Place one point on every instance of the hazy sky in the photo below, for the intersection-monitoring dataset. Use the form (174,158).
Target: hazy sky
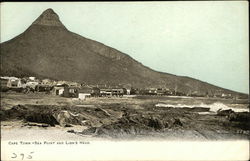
(204,40)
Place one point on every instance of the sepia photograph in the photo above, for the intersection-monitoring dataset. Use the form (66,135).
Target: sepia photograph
(155,79)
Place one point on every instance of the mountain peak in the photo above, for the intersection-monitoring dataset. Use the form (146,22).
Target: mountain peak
(48,18)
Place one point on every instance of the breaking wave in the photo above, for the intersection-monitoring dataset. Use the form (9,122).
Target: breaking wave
(213,107)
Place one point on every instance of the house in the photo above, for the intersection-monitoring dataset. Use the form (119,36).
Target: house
(69,83)
(168,92)
(105,92)
(117,92)
(31,84)
(135,91)
(70,91)
(149,91)
(84,92)
(32,78)
(5,83)
(76,92)
(11,82)
(226,95)
(16,83)
(111,92)
(128,88)
(58,90)
(47,82)
(128,91)
(161,91)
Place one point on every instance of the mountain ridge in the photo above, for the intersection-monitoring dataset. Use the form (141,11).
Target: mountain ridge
(48,18)
(48,50)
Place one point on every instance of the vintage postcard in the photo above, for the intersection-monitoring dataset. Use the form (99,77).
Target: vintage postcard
(125,80)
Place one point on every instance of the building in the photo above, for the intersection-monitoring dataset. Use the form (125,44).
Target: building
(84,92)
(76,92)
(47,82)
(16,83)
(226,95)
(161,91)
(108,92)
(11,82)
(31,84)
(149,91)
(70,91)
(5,83)
(128,91)
(58,90)
(32,78)
(105,92)
(69,83)
(117,92)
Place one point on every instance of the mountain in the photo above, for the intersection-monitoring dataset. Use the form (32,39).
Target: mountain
(48,50)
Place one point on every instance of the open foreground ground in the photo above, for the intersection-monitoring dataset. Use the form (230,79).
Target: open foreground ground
(41,116)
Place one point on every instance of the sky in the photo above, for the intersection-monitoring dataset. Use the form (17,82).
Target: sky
(206,40)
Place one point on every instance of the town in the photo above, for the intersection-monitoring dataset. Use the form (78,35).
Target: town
(82,91)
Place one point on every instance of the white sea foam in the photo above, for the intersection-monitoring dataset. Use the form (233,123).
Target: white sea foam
(213,107)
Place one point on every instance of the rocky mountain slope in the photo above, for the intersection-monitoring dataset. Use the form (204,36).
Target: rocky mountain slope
(48,50)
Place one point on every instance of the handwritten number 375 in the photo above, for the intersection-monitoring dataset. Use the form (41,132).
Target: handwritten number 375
(22,155)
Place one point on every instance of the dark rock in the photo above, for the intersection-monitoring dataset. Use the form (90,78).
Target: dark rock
(177,122)
(196,109)
(224,112)
(41,118)
(155,123)
(240,117)
(71,131)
